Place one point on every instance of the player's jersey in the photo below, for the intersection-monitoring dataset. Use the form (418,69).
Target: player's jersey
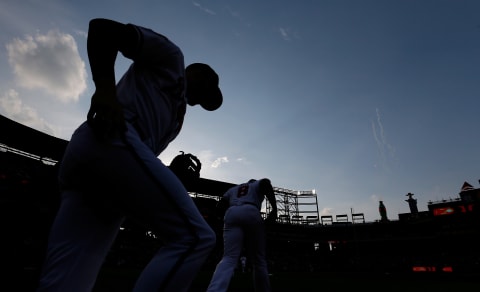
(151,92)
(246,193)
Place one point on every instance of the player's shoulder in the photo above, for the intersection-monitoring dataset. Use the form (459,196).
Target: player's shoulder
(265,184)
(264,181)
(155,49)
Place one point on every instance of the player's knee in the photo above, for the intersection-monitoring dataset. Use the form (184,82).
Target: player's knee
(209,239)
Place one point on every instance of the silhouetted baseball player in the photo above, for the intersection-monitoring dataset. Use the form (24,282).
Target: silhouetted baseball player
(243,223)
(111,169)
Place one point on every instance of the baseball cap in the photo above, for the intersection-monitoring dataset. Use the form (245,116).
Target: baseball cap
(204,86)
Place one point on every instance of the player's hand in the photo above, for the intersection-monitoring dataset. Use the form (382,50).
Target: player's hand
(105,115)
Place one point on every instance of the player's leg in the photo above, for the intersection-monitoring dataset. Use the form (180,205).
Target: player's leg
(232,244)
(124,182)
(175,219)
(256,248)
(82,232)
(78,243)
(161,200)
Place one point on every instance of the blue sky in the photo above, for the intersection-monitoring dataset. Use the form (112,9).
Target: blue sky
(360,100)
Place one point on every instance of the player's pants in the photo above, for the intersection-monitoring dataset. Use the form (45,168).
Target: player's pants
(103,184)
(242,224)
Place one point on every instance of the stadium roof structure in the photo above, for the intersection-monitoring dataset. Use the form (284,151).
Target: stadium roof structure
(21,137)
(210,187)
(24,139)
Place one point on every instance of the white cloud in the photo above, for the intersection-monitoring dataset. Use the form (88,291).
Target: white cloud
(242,160)
(81,33)
(385,149)
(49,62)
(204,8)
(288,34)
(326,211)
(14,109)
(208,158)
(219,161)
(284,33)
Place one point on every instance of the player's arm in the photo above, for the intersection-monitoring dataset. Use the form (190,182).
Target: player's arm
(267,189)
(105,39)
